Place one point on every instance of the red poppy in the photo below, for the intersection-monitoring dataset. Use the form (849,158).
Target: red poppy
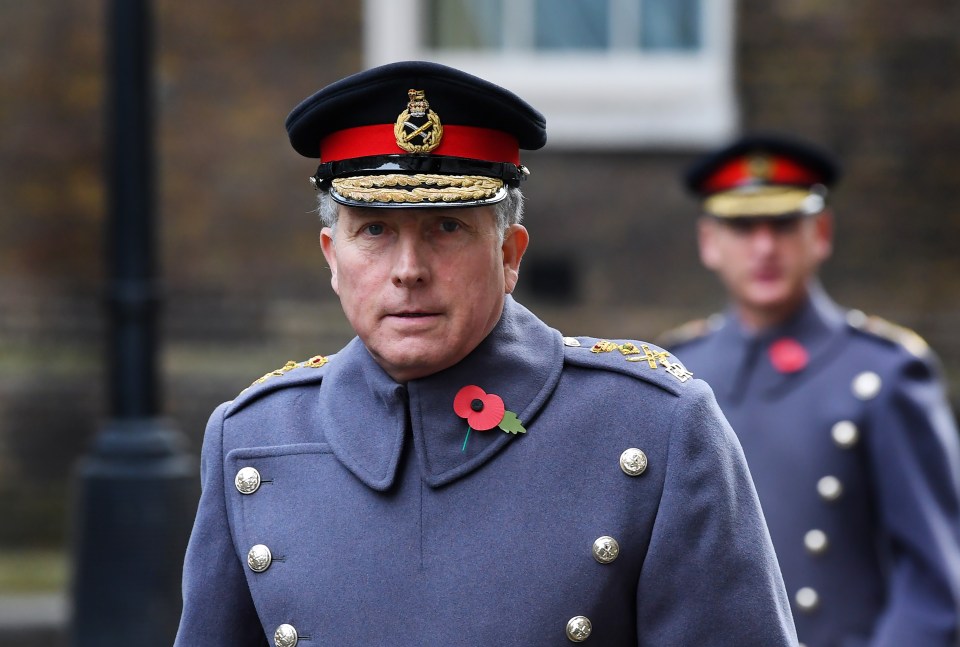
(482,410)
(788,355)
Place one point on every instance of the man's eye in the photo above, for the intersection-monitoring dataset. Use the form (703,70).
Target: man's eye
(741,227)
(374,229)
(449,226)
(786,225)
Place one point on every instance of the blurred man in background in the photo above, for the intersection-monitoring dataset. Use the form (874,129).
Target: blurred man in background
(842,416)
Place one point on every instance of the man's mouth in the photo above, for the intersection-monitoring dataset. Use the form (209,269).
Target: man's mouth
(413,315)
(766,274)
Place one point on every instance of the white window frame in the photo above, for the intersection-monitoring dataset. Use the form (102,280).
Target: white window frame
(614,100)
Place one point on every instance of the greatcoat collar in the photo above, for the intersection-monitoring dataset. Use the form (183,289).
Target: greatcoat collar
(366,413)
(815,326)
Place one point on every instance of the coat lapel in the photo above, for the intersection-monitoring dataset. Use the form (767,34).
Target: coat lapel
(365,412)
(732,355)
(520,361)
(817,328)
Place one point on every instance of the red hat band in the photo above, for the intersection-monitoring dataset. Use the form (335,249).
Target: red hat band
(458,141)
(759,169)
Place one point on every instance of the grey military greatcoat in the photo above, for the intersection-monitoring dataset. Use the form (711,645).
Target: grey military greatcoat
(342,508)
(854,452)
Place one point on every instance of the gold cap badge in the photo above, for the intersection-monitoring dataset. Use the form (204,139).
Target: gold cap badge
(418,128)
(761,167)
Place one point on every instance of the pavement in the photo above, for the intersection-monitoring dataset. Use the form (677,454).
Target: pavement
(35,620)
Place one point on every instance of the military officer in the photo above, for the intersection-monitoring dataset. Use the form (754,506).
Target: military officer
(460,473)
(842,416)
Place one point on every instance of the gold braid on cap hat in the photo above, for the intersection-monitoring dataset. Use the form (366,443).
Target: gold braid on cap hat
(417,188)
(764,201)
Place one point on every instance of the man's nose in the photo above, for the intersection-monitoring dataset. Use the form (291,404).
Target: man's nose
(763,237)
(410,266)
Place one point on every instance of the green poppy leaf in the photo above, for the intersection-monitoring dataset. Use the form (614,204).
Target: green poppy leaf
(511,424)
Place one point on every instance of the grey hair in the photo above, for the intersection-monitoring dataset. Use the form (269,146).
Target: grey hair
(509,211)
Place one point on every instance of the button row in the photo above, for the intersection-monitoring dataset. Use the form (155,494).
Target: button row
(579,629)
(605,549)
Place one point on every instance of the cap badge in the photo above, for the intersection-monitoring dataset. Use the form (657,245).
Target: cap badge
(760,167)
(418,128)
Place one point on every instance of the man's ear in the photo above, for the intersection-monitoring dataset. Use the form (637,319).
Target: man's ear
(823,230)
(515,241)
(707,242)
(329,247)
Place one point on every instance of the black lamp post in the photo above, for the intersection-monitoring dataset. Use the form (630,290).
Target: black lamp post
(136,490)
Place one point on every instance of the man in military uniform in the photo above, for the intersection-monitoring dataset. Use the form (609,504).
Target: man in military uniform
(842,417)
(460,473)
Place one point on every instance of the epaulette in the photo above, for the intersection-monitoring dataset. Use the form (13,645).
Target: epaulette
(889,331)
(683,333)
(690,331)
(646,361)
(286,375)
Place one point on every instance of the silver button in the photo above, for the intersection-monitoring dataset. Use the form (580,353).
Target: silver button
(605,549)
(845,434)
(807,599)
(856,318)
(816,541)
(259,558)
(579,628)
(247,481)
(573,342)
(830,488)
(867,385)
(633,462)
(285,636)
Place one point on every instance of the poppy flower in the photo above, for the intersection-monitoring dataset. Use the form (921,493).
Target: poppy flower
(788,355)
(481,410)
(484,411)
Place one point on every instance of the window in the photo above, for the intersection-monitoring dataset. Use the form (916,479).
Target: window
(608,74)
(558,25)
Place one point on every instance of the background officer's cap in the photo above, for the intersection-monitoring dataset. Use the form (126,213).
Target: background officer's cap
(415,134)
(763,176)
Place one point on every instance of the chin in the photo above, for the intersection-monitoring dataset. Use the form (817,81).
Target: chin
(415,367)
(769,300)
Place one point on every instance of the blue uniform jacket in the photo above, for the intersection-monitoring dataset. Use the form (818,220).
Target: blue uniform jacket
(854,453)
(382,530)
